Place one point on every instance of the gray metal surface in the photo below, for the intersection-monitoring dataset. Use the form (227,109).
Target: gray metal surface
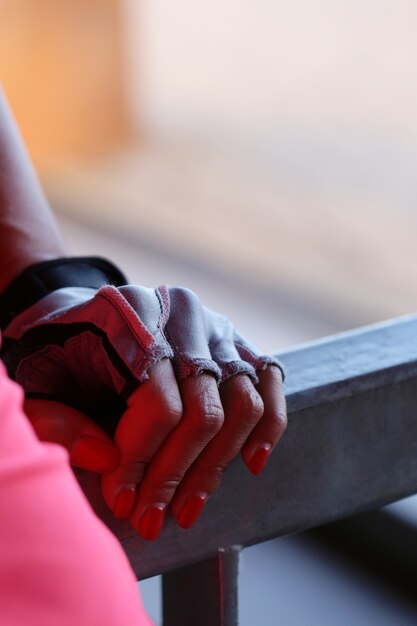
(204,593)
(351,446)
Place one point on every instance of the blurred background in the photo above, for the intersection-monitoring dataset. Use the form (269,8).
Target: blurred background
(262,154)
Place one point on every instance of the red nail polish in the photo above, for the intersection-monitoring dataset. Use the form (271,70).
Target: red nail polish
(124,503)
(95,454)
(152,521)
(191,510)
(258,460)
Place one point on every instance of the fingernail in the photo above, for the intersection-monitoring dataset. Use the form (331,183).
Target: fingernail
(191,510)
(124,502)
(152,521)
(258,460)
(95,454)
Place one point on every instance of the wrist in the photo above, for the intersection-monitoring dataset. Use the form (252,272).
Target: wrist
(21,250)
(17,263)
(39,279)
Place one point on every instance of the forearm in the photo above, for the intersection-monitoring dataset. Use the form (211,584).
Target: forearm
(28,231)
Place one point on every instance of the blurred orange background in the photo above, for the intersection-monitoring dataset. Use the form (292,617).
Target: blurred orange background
(268,148)
(62,65)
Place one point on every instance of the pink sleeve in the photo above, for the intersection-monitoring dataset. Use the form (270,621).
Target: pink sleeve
(59,564)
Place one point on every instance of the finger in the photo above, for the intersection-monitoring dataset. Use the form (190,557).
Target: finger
(271,427)
(187,334)
(243,408)
(153,411)
(202,419)
(252,355)
(88,446)
(221,335)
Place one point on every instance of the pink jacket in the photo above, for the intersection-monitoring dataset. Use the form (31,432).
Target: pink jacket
(59,564)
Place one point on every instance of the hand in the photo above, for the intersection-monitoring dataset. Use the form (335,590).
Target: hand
(88,446)
(164,353)
(177,438)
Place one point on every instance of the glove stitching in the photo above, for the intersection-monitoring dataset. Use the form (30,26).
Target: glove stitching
(164,305)
(116,299)
(186,367)
(39,357)
(232,368)
(260,363)
(89,339)
(35,339)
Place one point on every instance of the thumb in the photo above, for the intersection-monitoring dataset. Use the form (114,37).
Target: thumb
(88,446)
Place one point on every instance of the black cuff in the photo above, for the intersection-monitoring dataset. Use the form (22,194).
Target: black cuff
(40,279)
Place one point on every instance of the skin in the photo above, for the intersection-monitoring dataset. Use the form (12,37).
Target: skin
(176,439)
(28,231)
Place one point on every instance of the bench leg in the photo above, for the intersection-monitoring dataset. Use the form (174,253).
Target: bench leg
(203,594)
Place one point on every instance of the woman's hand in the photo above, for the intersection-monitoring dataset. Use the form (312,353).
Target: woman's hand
(176,440)
(88,446)
(195,392)
(243,419)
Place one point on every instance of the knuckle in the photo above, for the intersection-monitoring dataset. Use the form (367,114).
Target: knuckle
(251,405)
(213,475)
(183,297)
(132,468)
(169,414)
(281,421)
(165,484)
(207,421)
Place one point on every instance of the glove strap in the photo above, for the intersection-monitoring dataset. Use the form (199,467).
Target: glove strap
(38,280)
